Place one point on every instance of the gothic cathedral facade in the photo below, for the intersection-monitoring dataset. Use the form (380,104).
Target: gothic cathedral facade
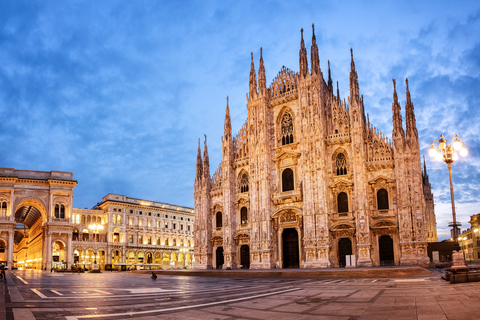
(308,182)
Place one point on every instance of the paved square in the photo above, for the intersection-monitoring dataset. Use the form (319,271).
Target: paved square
(71,296)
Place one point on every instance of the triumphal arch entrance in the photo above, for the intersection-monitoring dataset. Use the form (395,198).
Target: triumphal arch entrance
(35,218)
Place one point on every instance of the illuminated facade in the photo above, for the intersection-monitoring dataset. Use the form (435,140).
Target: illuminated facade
(39,228)
(469,240)
(309,182)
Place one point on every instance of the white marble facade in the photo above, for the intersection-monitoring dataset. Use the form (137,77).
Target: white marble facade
(309,182)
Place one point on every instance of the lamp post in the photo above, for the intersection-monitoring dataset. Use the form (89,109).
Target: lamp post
(448,153)
(96,227)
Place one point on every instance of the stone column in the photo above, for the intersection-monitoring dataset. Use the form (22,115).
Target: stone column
(69,252)
(48,250)
(10,249)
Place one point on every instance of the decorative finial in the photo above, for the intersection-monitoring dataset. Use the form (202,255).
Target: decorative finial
(406,81)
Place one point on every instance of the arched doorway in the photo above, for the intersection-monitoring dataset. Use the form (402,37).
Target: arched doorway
(245,256)
(385,246)
(219,257)
(149,258)
(344,249)
(58,255)
(291,256)
(166,260)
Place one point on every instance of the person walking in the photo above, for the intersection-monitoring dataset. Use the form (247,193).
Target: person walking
(4,276)
(154,276)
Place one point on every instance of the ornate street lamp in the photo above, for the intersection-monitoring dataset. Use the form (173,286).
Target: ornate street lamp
(448,153)
(96,227)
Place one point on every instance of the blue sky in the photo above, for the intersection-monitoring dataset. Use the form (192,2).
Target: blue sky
(118,92)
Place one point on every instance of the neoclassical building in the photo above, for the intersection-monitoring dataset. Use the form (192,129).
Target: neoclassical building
(309,182)
(39,228)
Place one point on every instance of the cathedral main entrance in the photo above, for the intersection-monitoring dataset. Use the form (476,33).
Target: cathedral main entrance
(219,258)
(385,245)
(245,256)
(290,248)
(344,249)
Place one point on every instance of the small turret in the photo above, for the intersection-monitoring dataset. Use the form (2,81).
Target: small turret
(314,54)
(412,133)
(253,80)
(262,81)
(330,82)
(397,117)
(199,162)
(228,123)
(303,58)
(206,162)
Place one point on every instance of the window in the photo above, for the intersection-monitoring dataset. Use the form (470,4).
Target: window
(287,180)
(174,242)
(342,201)
(57,211)
(119,219)
(149,213)
(382,199)
(166,241)
(166,225)
(149,223)
(130,239)
(4,208)
(62,211)
(158,241)
(188,228)
(75,234)
(219,219)
(131,211)
(140,239)
(140,212)
(140,223)
(244,183)
(181,227)
(83,219)
(149,240)
(243,215)
(341,164)
(77,219)
(287,129)
(85,235)
(130,221)
(174,226)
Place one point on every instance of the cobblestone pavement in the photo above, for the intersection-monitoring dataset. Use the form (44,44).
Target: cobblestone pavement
(111,295)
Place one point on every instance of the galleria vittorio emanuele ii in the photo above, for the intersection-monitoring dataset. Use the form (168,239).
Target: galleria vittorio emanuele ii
(40,229)
(309,182)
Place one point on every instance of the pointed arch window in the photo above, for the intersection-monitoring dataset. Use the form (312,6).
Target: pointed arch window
(243,215)
(219,219)
(341,164)
(382,199)
(342,202)
(287,129)
(287,180)
(57,211)
(244,183)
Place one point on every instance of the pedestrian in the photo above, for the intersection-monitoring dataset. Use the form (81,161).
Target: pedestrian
(154,276)
(3,274)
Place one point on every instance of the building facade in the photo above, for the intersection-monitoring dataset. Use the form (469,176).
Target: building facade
(309,182)
(469,240)
(39,228)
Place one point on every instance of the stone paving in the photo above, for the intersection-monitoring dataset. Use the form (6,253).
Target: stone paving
(112,295)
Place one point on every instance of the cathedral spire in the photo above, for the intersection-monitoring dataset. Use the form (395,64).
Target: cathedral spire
(303,58)
(253,79)
(397,117)
(206,162)
(228,123)
(338,92)
(262,82)
(199,162)
(314,54)
(410,116)
(354,89)
(330,82)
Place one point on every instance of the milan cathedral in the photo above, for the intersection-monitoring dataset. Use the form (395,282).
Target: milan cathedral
(308,182)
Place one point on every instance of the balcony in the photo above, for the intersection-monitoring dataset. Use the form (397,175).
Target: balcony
(379,214)
(287,196)
(339,216)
